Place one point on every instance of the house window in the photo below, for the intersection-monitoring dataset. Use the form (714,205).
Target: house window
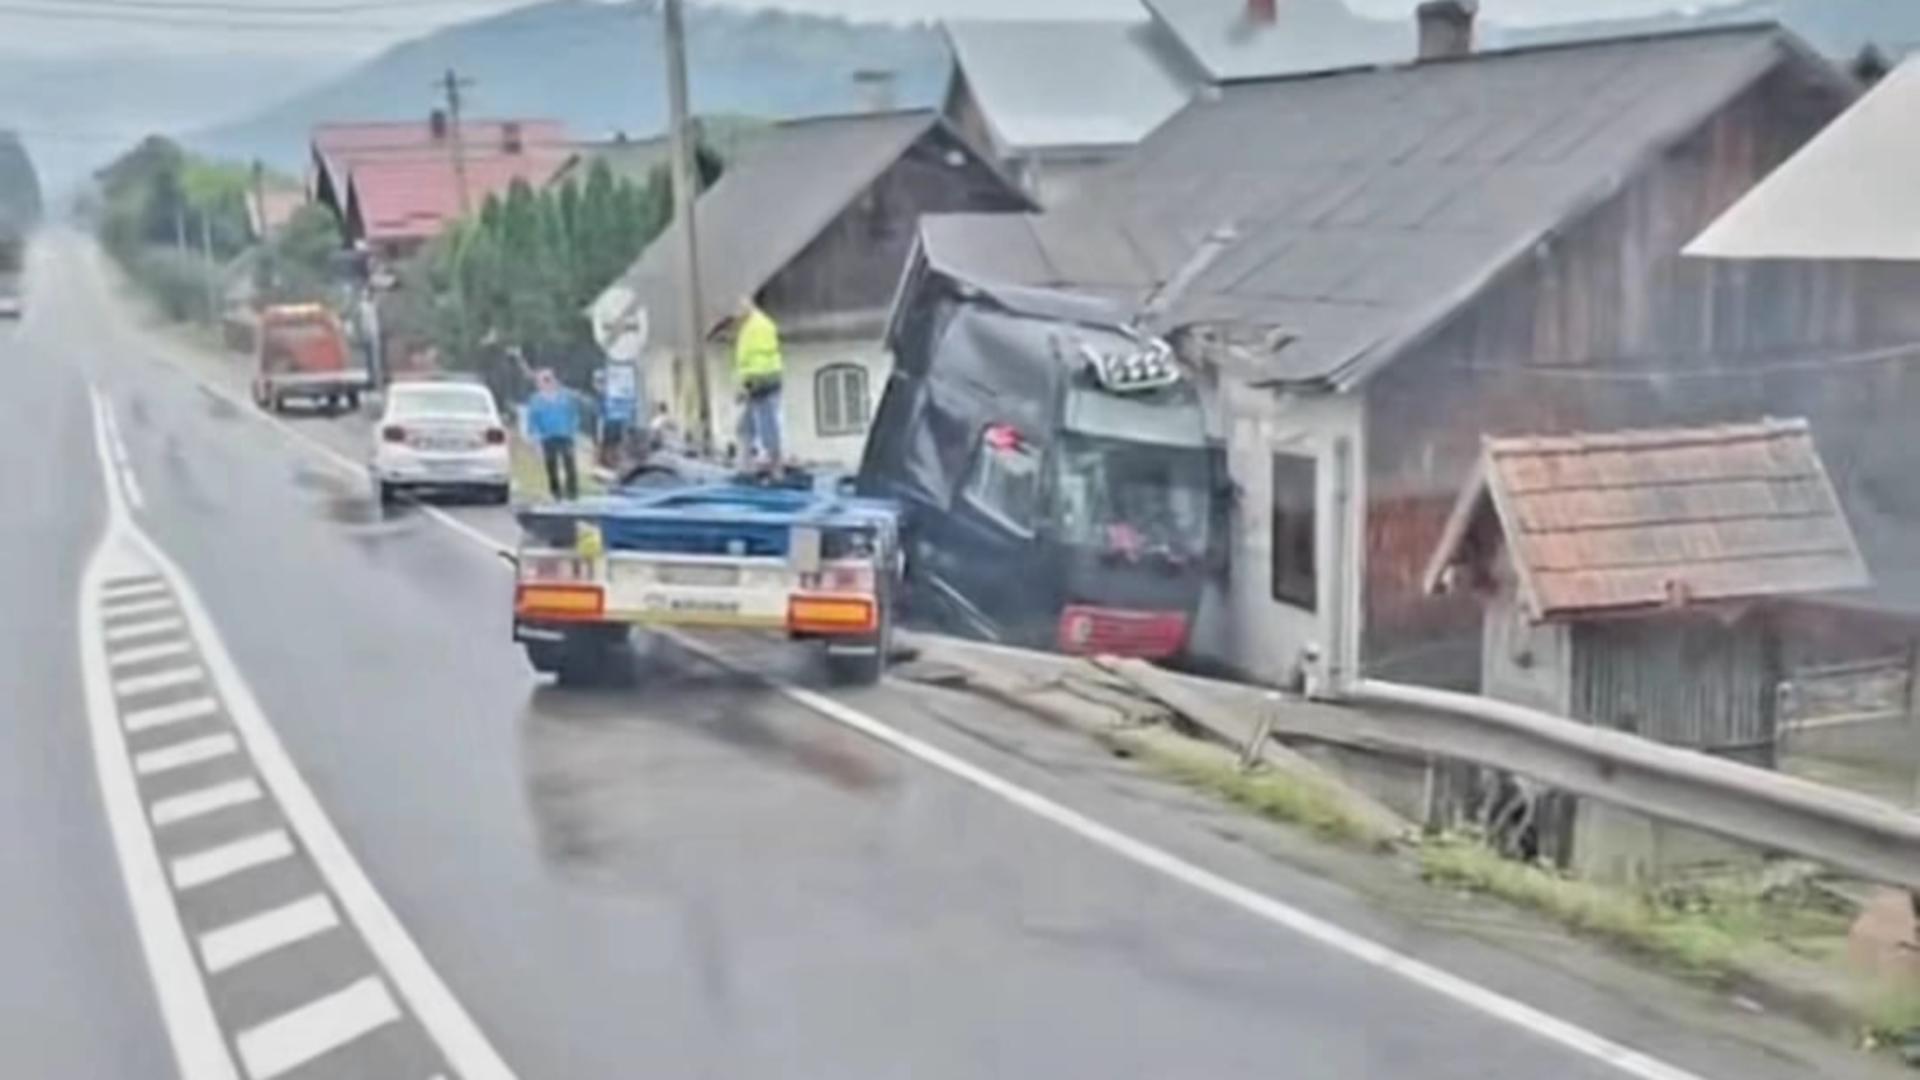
(840,405)
(1296,530)
(1004,482)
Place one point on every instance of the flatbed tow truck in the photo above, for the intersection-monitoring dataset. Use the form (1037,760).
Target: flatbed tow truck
(798,557)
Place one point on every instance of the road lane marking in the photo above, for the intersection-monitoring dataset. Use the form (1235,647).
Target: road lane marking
(117,635)
(122,464)
(1564,1033)
(290,1041)
(182,754)
(226,860)
(235,944)
(205,801)
(142,607)
(190,675)
(126,555)
(177,713)
(146,653)
(133,590)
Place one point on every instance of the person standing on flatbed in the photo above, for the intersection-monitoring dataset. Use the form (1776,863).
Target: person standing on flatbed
(757,367)
(553,421)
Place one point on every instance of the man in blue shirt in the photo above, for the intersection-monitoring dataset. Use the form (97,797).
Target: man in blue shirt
(553,421)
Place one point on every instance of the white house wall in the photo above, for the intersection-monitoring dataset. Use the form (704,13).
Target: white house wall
(805,441)
(1242,626)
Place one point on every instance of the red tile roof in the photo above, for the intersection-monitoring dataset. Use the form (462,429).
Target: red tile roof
(413,198)
(345,141)
(1641,520)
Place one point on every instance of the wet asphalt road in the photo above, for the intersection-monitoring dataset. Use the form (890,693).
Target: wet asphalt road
(687,875)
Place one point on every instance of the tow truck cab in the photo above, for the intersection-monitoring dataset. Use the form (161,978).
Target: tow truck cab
(1055,469)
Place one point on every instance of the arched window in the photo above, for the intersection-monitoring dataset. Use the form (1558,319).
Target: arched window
(840,405)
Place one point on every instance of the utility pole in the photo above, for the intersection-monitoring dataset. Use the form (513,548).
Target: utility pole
(268,278)
(213,273)
(686,189)
(451,84)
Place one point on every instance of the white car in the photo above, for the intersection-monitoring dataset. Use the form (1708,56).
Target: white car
(440,436)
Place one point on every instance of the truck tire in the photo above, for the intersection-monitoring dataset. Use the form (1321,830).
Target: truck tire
(578,662)
(389,495)
(353,401)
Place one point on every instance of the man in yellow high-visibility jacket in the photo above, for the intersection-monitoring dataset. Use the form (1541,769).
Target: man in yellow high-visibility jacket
(757,368)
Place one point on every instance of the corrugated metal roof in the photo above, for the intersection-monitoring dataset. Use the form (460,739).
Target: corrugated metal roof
(1641,520)
(790,182)
(1307,36)
(1848,194)
(1369,205)
(413,198)
(1057,84)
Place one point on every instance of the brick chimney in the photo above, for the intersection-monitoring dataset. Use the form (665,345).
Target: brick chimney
(879,89)
(437,124)
(512,139)
(1446,28)
(1263,12)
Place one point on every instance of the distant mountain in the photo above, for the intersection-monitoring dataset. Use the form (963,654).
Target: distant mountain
(599,67)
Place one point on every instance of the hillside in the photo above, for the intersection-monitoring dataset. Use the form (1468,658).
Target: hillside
(599,68)
(19,186)
(1838,28)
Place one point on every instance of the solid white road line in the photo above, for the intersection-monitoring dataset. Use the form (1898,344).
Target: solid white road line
(146,653)
(137,607)
(137,631)
(200,1051)
(135,497)
(132,590)
(328,1023)
(1568,1035)
(205,801)
(213,864)
(190,1021)
(233,945)
(178,712)
(182,754)
(1472,995)
(160,680)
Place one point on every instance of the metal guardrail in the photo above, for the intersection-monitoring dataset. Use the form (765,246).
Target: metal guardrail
(1861,836)
(1864,837)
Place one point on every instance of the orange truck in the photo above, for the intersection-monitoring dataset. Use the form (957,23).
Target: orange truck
(302,353)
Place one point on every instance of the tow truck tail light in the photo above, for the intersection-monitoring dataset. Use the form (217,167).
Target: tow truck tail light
(561,602)
(831,615)
(394,433)
(496,436)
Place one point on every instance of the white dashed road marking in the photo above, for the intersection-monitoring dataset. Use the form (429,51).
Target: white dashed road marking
(209,800)
(214,864)
(143,630)
(289,1041)
(179,712)
(231,946)
(182,754)
(249,826)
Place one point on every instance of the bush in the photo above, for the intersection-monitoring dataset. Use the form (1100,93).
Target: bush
(177,281)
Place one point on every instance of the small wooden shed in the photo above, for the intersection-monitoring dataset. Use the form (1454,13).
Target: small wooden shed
(1630,579)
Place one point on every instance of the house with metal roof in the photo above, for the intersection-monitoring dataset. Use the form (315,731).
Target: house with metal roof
(1636,580)
(1377,267)
(813,219)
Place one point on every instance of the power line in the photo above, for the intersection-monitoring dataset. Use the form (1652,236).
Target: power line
(232,7)
(225,24)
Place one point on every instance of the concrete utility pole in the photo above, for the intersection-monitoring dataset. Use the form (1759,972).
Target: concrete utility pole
(213,271)
(260,216)
(686,189)
(451,84)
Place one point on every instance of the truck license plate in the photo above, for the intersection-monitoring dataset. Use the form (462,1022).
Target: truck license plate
(723,577)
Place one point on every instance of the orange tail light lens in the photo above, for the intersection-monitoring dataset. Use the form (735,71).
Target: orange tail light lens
(560,601)
(831,614)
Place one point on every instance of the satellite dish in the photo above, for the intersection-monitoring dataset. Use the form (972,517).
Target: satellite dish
(620,324)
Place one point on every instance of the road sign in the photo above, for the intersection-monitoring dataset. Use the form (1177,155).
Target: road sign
(620,396)
(620,324)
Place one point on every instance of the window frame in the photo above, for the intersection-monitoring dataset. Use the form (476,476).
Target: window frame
(972,491)
(1292,525)
(830,381)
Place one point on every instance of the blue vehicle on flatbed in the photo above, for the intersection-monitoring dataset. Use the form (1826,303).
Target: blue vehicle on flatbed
(680,546)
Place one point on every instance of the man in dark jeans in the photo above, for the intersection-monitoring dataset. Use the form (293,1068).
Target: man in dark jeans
(553,421)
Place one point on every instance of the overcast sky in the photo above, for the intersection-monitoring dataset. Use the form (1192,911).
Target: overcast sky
(69,25)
